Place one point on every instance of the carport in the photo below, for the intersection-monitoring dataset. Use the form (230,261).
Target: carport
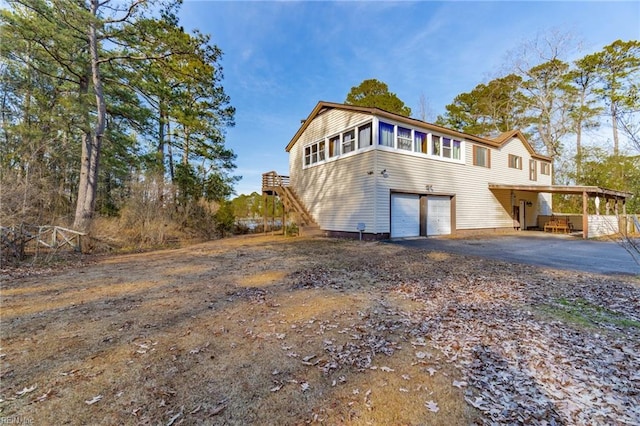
(610,196)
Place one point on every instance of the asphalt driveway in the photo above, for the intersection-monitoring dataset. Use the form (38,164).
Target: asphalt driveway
(556,251)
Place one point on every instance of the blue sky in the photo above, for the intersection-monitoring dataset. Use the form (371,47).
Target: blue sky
(281,58)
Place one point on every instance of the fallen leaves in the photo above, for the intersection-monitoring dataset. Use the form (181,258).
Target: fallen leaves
(521,367)
(93,400)
(27,390)
(173,419)
(432,406)
(460,384)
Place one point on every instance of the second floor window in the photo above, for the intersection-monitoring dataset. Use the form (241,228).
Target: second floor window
(404,138)
(386,134)
(515,162)
(481,156)
(364,135)
(314,153)
(348,141)
(545,168)
(420,141)
(533,170)
(334,146)
(436,142)
(445,147)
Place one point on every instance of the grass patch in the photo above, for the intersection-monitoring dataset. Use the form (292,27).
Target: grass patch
(584,313)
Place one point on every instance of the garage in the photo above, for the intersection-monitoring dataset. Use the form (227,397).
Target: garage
(405,215)
(438,215)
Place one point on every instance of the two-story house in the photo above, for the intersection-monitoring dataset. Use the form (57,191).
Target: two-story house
(360,170)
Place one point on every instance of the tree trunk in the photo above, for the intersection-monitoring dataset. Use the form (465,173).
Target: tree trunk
(91,143)
(185,156)
(614,125)
(170,151)
(160,150)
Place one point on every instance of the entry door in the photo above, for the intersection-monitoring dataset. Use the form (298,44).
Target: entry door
(438,215)
(405,215)
(522,216)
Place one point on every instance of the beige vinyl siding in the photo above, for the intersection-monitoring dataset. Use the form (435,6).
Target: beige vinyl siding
(413,174)
(339,192)
(542,204)
(476,205)
(326,124)
(510,176)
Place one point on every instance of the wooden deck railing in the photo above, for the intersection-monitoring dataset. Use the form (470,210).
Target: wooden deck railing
(274,180)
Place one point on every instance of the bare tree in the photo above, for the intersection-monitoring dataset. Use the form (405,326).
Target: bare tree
(425,111)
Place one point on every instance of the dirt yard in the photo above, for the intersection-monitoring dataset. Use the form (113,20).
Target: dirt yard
(271,330)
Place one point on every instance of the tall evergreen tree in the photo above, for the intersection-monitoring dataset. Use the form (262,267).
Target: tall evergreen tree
(618,67)
(585,110)
(94,62)
(374,93)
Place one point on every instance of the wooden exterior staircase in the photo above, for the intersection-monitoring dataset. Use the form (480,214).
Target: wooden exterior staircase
(274,184)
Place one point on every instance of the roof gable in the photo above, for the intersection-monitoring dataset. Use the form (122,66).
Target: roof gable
(505,137)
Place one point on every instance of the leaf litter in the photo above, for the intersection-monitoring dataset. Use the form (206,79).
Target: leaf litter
(516,363)
(527,368)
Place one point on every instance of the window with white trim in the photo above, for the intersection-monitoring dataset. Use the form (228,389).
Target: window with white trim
(456,149)
(385,134)
(445,147)
(364,136)
(409,139)
(436,145)
(404,138)
(420,141)
(349,141)
(334,146)
(314,153)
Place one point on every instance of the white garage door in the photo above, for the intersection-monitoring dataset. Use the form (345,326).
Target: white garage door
(405,215)
(438,215)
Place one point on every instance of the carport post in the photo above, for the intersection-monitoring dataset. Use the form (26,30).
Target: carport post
(585,216)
